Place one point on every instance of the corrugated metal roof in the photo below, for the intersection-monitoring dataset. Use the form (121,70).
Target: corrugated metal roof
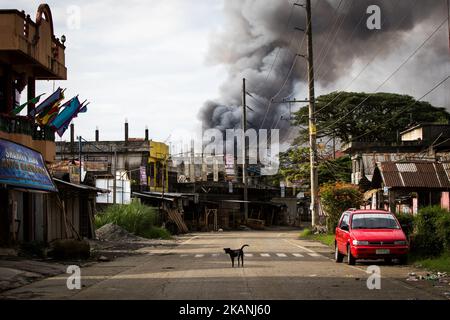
(415,174)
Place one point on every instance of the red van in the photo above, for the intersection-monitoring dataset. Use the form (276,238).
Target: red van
(370,234)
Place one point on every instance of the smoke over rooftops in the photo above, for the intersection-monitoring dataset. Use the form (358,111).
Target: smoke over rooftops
(256,33)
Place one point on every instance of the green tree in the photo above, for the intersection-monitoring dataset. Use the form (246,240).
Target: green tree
(336,198)
(294,165)
(368,117)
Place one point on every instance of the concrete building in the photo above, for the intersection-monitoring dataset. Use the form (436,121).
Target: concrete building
(141,162)
(34,207)
(405,175)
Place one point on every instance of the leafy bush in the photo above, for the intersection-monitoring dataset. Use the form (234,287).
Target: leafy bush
(157,233)
(407,222)
(136,218)
(429,238)
(336,198)
(305,232)
(443,229)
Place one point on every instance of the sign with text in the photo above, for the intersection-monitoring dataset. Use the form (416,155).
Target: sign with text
(143,175)
(23,167)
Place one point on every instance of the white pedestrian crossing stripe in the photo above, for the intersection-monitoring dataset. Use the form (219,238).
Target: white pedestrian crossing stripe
(264,255)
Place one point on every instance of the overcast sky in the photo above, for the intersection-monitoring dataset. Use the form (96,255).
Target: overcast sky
(147,61)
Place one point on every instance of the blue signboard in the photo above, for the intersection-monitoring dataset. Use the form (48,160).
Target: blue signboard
(23,167)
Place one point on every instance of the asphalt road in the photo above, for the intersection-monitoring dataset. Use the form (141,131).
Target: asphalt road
(277,266)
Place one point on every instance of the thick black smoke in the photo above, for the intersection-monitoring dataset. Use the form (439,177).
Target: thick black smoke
(256,32)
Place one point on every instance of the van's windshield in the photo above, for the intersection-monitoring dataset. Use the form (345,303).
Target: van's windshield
(374,221)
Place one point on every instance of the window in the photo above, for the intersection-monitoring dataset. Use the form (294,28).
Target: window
(345,220)
(374,221)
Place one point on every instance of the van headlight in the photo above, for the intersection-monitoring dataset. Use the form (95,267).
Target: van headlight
(360,243)
(400,243)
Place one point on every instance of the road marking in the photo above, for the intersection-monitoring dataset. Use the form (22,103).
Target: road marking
(183,255)
(313,254)
(282,255)
(199,255)
(189,240)
(265,255)
(298,255)
(299,246)
(249,254)
(215,254)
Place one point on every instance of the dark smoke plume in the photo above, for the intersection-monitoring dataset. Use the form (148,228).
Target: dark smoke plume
(255,33)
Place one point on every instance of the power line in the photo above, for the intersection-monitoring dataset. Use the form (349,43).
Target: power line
(278,49)
(290,69)
(334,30)
(405,108)
(381,48)
(390,76)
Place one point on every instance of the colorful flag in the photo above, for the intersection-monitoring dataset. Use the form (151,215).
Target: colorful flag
(48,103)
(35,100)
(45,118)
(63,128)
(70,110)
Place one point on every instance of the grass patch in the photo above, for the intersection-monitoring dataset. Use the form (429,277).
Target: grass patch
(441,263)
(135,217)
(324,238)
(157,233)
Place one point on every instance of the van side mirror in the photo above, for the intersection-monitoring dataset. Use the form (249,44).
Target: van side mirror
(345,227)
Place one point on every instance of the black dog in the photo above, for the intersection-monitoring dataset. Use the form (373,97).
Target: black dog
(239,253)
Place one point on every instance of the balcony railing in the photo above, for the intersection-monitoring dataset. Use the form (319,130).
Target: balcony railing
(26,126)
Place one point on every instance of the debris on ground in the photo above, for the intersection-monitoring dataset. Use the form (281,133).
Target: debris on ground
(113,232)
(103,259)
(441,277)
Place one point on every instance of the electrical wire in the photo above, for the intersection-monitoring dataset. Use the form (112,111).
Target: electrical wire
(380,49)
(404,109)
(390,76)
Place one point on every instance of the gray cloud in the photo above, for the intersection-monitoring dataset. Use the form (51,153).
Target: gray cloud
(255,33)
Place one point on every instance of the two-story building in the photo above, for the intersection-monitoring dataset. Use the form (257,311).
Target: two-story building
(405,175)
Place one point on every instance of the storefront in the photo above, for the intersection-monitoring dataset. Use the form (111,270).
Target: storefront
(24,185)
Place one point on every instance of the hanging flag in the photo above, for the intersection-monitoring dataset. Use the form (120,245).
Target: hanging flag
(71,107)
(46,105)
(35,100)
(47,117)
(49,112)
(63,128)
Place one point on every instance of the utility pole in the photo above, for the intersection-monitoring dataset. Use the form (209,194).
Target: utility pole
(244,149)
(79,154)
(114,177)
(312,121)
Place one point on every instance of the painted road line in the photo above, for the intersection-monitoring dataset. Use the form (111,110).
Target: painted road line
(282,255)
(312,254)
(214,254)
(299,246)
(249,254)
(298,255)
(183,255)
(199,255)
(265,255)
